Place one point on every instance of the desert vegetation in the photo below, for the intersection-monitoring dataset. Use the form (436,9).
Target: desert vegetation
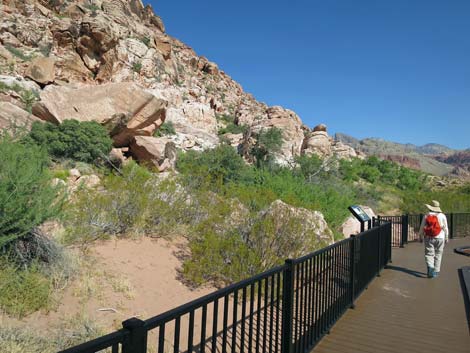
(222,205)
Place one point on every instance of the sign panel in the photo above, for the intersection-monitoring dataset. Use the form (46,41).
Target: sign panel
(359,213)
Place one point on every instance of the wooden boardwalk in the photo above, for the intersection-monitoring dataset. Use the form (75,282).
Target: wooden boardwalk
(403,311)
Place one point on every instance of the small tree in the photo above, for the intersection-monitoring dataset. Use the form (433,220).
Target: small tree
(27,197)
(268,143)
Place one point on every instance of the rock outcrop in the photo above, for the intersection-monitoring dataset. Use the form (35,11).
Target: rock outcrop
(12,117)
(111,61)
(124,108)
(157,151)
(318,142)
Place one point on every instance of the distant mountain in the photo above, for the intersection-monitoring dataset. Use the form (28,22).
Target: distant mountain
(431,158)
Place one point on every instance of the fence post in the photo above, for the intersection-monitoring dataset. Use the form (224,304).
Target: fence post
(404,231)
(379,250)
(352,266)
(452,226)
(137,341)
(287,307)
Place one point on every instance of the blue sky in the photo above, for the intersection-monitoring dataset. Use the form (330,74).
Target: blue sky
(394,69)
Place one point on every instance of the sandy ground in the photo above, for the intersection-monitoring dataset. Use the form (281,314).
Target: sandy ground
(125,278)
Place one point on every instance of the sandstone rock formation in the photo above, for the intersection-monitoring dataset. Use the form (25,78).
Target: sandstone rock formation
(111,61)
(41,70)
(157,151)
(124,108)
(318,142)
(11,117)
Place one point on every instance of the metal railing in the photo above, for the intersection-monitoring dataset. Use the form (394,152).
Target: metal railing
(405,228)
(287,309)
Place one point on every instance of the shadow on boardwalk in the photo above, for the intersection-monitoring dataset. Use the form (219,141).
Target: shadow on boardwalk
(405,311)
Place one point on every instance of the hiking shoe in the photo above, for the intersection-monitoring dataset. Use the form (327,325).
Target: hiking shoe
(430,272)
(435,274)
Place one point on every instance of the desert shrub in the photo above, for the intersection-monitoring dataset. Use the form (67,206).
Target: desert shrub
(24,340)
(451,199)
(282,233)
(82,141)
(22,291)
(61,174)
(27,198)
(167,128)
(268,142)
(72,331)
(233,129)
(369,173)
(136,66)
(215,166)
(220,259)
(136,202)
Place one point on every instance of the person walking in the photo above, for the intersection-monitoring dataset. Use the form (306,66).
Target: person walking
(435,231)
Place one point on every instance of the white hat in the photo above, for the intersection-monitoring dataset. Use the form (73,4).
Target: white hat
(436,207)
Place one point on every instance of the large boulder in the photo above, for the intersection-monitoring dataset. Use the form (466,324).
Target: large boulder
(284,231)
(41,70)
(318,143)
(124,108)
(157,151)
(352,226)
(12,117)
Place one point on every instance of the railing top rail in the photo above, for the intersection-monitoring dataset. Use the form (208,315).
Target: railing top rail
(99,343)
(197,303)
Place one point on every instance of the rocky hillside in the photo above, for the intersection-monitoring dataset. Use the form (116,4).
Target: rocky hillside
(111,61)
(431,158)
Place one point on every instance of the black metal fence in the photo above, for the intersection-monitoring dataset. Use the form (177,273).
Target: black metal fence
(287,309)
(405,229)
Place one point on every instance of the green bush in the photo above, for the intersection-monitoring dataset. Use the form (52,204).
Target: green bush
(27,198)
(22,291)
(232,128)
(268,142)
(220,259)
(167,128)
(81,141)
(216,166)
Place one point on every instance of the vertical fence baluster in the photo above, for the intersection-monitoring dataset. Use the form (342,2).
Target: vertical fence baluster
(271,319)
(258,318)
(243,318)
(287,307)
(203,328)
(234,324)
(215,315)
(161,339)
(224,325)
(252,304)
(191,331)
(265,314)
(278,313)
(176,341)
(353,270)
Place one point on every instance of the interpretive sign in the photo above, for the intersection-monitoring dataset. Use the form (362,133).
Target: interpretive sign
(359,213)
